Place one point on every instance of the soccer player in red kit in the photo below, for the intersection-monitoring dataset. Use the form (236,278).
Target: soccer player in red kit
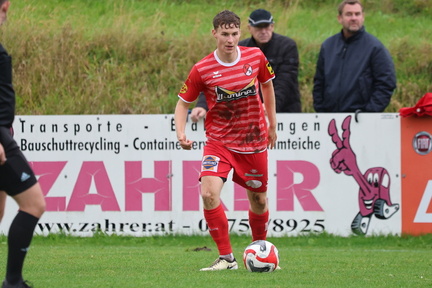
(236,128)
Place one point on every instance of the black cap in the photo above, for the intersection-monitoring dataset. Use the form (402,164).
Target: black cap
(260,17)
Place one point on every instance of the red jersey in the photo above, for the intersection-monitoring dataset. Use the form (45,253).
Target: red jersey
(235,117)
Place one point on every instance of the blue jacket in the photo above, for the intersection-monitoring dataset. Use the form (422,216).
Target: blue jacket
(353,74)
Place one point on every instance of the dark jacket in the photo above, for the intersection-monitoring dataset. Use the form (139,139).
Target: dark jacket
(282,53)
(353,74)
(7,93)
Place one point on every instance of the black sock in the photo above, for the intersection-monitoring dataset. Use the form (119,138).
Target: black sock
(19,238)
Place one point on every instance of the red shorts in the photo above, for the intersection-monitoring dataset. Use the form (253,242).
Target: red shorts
(250,170)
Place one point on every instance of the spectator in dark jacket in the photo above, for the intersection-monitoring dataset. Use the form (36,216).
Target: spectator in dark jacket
(355,72)
(281,52)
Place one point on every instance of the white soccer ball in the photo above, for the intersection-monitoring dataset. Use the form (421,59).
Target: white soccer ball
(261,256)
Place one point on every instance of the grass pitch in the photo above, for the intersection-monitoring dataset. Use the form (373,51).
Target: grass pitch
(309,261)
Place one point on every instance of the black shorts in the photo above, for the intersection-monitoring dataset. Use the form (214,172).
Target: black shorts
(16,176)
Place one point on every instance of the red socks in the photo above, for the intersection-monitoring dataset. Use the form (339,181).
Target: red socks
(259,225)
(218,228)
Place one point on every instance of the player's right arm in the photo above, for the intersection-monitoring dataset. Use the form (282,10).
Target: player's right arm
(180,117)
(188,94)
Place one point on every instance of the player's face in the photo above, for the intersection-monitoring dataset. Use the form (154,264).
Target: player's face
(227,39)
(352,19)
(261,34)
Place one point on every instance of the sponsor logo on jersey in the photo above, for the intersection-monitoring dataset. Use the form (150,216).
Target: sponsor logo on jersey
(254,183)
(270,68)
(184,88)
(225,95)
(253,175)
(210,163)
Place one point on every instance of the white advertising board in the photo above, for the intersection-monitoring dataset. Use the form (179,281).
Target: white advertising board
(126,174)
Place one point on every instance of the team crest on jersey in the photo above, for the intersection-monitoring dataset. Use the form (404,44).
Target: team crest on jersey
(247,69)
(270,68)
(225,95)
(210,163)
(184,88)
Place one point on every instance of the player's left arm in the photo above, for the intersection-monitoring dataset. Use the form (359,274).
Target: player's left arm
(270,107)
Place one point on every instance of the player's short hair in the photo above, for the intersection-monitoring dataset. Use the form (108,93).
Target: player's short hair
(226,19)
(348,2)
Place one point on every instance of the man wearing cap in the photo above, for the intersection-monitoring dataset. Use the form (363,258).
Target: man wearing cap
(281,52)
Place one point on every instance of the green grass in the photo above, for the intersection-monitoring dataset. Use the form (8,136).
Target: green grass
(312,261)
(131,57)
